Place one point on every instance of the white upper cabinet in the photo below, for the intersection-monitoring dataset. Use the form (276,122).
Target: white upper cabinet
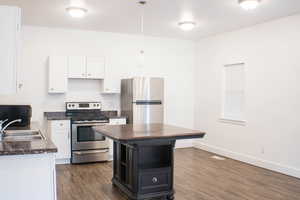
(58,74)
(10,20)
(77,67)
(95,67)
(112,79)
(86,67)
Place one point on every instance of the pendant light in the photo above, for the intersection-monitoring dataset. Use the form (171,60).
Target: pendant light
(142,51)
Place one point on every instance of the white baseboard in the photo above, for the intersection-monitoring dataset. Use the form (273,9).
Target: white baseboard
(184,144)
(291,171)
(62,161)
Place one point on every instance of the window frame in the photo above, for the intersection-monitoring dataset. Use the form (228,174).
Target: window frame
(224,118)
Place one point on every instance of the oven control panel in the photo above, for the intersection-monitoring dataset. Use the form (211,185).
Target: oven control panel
(83,106)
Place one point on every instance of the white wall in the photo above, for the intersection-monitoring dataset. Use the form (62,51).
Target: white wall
(168,58)
(271,53)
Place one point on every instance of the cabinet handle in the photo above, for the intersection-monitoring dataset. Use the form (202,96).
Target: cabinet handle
(154,180)
(61,124)
(52,89)
(82,74)
(68,134)
(89,74)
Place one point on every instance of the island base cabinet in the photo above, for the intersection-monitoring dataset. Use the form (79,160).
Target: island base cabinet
(144,170)
(28,177)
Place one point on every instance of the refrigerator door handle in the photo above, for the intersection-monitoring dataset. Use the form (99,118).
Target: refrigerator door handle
(145,102)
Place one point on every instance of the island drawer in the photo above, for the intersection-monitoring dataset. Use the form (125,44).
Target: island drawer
(155,180)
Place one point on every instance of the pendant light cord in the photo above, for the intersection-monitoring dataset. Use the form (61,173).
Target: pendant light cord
(142,3)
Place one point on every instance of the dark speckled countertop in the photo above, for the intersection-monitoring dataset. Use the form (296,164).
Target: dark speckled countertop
(62,115)
(27,147)
(56,116)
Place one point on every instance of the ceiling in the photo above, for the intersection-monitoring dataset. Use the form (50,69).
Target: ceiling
(161,16)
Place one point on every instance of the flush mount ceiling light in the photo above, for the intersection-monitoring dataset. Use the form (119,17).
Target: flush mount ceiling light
(249,4)
(187,25)
(76,12)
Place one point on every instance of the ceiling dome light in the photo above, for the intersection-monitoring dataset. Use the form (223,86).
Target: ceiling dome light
(249,4)
(76,12)
(187,25)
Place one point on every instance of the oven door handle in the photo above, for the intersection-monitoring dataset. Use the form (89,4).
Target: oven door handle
(90,152)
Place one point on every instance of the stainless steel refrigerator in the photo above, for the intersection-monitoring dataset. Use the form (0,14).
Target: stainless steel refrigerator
(142,100)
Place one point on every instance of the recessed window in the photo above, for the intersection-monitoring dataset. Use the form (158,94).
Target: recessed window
(234,93)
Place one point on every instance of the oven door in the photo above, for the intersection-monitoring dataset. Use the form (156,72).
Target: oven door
(85,138)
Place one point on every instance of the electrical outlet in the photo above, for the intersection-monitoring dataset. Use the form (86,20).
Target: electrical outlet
(262,150)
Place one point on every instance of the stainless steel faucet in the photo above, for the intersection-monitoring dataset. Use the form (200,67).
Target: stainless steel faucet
(2,129)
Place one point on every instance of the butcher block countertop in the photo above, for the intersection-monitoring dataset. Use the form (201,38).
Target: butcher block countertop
(130,132)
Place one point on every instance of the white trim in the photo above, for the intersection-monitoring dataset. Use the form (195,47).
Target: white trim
(233,121)
(224,116)
(62,161)
(277,167)
(184,144)
(233,64)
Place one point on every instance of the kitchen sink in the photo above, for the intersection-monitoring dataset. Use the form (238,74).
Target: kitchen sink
(20,135)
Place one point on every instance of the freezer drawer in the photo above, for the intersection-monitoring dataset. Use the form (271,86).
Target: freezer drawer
(148,113)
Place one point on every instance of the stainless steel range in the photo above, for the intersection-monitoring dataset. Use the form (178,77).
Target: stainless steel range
(87,145)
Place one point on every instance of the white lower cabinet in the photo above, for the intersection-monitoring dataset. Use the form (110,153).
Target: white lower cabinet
(60,131)
(114,121)
(25,177)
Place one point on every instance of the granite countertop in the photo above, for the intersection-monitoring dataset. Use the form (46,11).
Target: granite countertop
(12,147)
(62,115)
(132,132)
(56,116)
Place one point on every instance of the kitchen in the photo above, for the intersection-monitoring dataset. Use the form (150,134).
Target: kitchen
(192,72)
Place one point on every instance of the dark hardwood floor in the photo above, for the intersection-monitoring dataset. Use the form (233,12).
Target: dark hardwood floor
(197,177)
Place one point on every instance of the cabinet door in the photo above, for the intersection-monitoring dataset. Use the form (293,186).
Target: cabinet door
(112,81)
(9,48)
(60,134)
(95,67)
(62,141)
(77,67)
(58,74)
(111,85)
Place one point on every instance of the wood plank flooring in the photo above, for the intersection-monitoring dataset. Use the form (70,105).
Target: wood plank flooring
(197,177)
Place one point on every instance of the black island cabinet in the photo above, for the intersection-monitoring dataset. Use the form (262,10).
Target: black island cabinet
(143,165)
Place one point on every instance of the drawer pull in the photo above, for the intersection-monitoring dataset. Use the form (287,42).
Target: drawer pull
(154,180)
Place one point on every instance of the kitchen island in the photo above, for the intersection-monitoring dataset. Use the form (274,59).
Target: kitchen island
(143,165)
